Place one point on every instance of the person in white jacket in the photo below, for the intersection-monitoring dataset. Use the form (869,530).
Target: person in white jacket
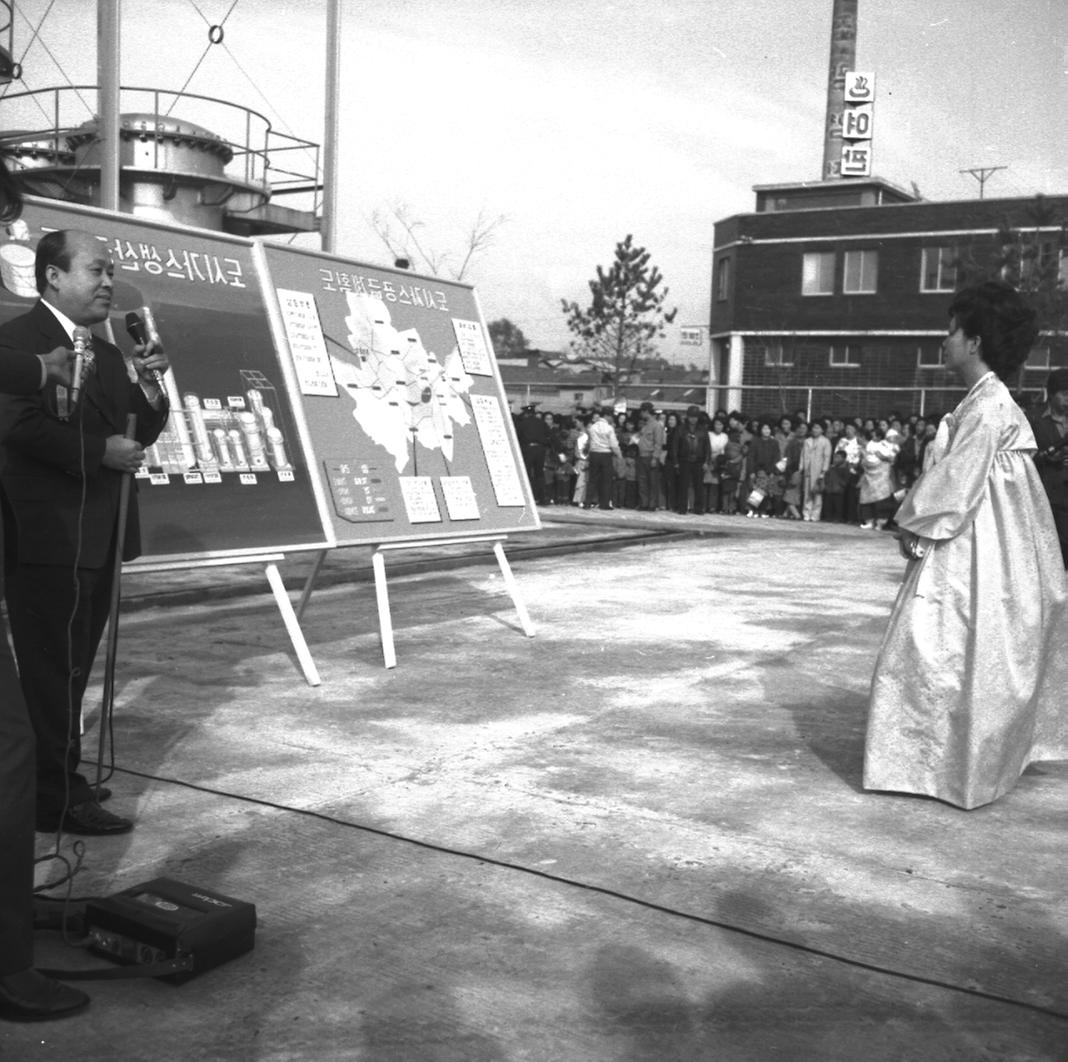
(815,460)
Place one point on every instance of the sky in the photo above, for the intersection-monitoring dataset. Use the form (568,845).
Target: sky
(580,122)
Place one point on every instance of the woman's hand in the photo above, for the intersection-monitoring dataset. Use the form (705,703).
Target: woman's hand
(912,547)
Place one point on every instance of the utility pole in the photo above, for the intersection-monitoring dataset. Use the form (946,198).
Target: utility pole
(333,128)
(108,59)
(982,173)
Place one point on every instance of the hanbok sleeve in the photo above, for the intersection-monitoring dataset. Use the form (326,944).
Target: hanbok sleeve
(944,500)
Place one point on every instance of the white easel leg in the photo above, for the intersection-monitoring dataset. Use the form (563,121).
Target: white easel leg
(289,617)
(385,620)
(513,589)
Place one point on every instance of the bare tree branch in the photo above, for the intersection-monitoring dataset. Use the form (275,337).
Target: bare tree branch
(480,238)
(404,236)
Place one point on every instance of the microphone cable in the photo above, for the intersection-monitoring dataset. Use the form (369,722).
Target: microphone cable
(73,675)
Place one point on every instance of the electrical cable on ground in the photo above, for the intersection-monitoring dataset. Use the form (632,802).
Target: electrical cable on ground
(602,890)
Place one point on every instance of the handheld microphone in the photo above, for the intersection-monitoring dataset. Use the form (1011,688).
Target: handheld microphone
(1052,451)
(83,358)
(141,328)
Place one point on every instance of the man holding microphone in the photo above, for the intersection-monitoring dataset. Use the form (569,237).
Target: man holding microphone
(62,463)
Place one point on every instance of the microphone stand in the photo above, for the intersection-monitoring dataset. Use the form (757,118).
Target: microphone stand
(107,702)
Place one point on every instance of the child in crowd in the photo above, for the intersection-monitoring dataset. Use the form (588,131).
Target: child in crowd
(835,481)
(759,502)
(777,493)
(630,474)
(791,498)
(563,474)
(619,480)
(732,464)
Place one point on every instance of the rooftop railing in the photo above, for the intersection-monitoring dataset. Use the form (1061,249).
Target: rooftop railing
(276,162)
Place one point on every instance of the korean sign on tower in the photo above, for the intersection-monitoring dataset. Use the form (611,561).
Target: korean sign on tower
(857,124)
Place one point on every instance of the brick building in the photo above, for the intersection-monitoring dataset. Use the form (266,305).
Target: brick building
(555,383)
(832,296)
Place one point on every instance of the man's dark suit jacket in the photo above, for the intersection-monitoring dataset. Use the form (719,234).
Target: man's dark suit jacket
(677,447)
(42,457)
(19,374)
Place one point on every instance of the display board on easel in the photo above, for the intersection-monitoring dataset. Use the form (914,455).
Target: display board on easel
(407,418)
(229,475)
(315,401)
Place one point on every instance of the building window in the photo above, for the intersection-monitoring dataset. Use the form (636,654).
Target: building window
(775,356)
(938,270)
(1039,358)
(723,278)
(861,272)
(929,356)
(817,273)
(1045,263)
(844,356)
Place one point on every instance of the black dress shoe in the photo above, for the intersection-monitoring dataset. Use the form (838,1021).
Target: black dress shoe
(30,996)
(88,819)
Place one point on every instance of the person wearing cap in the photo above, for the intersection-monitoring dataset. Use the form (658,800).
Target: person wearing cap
(652,448)
(1050,425)
(689,457)
(534,438)
(968,688)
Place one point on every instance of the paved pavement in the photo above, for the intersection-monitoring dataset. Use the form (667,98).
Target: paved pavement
(638,835)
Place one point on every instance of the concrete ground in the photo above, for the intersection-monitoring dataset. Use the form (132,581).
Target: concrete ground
(640,835)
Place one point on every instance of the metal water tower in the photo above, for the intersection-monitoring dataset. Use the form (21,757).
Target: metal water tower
(217,166)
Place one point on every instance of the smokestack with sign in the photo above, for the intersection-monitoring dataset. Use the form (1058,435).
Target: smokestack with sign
(843,59)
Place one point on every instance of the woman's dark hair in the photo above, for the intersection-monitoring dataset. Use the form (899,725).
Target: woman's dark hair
(997,315)
(10,196)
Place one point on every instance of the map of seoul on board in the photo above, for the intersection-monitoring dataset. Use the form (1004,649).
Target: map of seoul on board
(402,399)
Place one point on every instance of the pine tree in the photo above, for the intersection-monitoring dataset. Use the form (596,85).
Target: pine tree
(626,314)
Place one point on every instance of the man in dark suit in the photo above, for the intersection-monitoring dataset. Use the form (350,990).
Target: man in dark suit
(1050,425)
(690,450)
(534,437)
(61,468)
(25,994)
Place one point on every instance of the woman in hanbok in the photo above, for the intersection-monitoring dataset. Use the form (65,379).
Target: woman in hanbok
(969,686)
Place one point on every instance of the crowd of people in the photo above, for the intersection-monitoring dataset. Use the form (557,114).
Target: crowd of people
(851,470)
(793,467)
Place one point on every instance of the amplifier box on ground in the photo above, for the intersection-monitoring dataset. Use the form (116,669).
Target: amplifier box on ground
(164,920)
